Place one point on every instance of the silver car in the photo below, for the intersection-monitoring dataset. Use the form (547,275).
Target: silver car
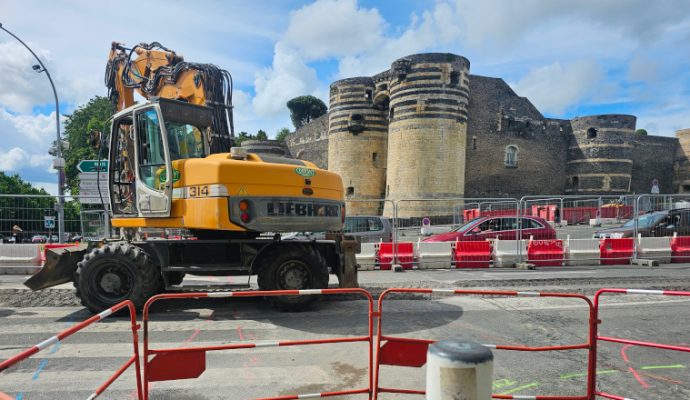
(367,229)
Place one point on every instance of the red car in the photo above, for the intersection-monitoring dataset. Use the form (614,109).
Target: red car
(504,227)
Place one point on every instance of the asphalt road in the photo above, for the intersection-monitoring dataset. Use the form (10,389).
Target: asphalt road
(73,369)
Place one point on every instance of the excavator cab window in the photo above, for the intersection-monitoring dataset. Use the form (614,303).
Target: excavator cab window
(151,149)
(123,192)
(185,141)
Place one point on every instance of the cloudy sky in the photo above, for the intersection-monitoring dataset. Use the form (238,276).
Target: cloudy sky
(568,57)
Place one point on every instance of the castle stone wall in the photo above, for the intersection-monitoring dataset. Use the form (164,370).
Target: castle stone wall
(682,163)
(310,142)
(653,158)
(499,118)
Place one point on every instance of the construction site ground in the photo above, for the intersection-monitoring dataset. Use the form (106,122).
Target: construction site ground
(73,369)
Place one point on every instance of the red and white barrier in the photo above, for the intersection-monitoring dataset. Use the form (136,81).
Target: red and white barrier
(134,359)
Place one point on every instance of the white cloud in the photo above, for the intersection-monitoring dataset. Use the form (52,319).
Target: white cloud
(334,28)
(643,69)
(50,187)
(554,88)
(289,76)
(21,86)
(17,159)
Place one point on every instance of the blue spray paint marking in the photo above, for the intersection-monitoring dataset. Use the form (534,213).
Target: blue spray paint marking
(42,364)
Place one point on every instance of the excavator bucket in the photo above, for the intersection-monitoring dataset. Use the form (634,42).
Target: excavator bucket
(59,267)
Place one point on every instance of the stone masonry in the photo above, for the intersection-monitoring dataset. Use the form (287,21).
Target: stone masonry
(426,128)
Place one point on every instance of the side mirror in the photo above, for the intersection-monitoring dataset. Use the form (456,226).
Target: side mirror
(95,139)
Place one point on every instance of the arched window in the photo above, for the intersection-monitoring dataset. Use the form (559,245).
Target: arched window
(511,156)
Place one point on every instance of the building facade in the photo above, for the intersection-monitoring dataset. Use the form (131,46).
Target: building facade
(427,128)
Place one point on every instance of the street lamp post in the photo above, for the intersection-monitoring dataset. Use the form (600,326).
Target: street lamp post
(59,162)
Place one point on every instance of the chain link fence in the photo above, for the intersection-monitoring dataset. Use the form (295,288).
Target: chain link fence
(33,218)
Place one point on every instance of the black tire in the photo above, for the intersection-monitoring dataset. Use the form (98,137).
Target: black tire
(290,267)
(113,273)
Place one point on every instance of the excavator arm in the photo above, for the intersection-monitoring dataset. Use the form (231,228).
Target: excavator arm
(152,70)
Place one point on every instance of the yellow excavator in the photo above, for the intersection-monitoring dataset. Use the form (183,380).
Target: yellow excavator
(171,165)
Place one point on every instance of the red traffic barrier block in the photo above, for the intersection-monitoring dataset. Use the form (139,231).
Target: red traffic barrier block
(680,249)
(469,215)
(405,254)
(616,251)
(545,253)
(472,254)
(47,246)
(173,366)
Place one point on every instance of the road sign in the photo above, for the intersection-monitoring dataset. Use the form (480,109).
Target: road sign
(92,165)
(93,185)
(49,222)
(93,200)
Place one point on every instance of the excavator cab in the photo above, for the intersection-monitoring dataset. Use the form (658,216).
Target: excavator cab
(145,143)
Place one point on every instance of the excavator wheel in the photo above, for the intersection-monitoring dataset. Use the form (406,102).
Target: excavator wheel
(113,273)
(293,267)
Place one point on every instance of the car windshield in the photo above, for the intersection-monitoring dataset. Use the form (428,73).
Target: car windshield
(467,226)
(644,221)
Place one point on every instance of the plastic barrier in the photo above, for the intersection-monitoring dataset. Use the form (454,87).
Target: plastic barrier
(616,251)
(434,254)
(20,254)
(582,251)
(505,252)
(680,249)
(404,253)
(547,212)
(597,303)
(655,248)
(408,352)
(54,246)
(545,253)
(53,340)
(190,362)
(472,254)
(366,258)
(469,215)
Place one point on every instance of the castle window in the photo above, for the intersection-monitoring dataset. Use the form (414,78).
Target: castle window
(454,78)
(576,182)
(591,133)
(368,94)
(474,143)
(511,156)
(350,191)
(374,157)
(391,114)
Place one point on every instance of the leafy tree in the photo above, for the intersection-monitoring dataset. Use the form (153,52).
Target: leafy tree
(261,135)
(641,131)
(241,137)
(282,134)
(94,115)
(304,109)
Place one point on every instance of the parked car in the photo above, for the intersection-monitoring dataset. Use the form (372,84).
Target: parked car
(368,229)
(39,239)
(504,227)
(656,223)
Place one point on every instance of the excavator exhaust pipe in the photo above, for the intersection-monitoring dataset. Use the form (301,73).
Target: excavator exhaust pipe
(59,267)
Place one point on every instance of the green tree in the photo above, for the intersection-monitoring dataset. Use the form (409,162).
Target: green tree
(261,135)
(282,134)
(94,115)
(641,131)
(25,212)
(304,109)
(241,137)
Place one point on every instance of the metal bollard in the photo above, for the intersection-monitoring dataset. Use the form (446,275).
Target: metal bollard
(459,370)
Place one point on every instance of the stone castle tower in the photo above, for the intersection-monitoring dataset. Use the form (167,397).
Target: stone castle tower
(600,154)
(427,129)
(357,143)
(385,130)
